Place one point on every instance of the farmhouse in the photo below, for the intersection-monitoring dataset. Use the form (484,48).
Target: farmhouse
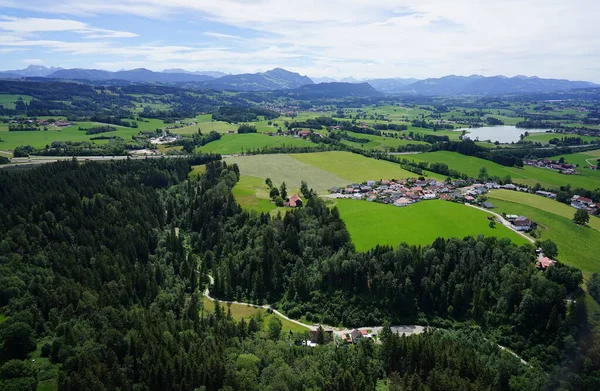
(294,201)
(488,205)
(521,224)
(579,202)
(545,263)
(546,194)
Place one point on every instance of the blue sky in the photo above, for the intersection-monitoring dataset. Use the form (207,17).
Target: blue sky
(334,38)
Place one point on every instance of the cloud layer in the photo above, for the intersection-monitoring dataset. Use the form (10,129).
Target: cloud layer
(363,38)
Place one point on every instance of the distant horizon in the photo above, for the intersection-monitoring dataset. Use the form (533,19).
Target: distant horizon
(362,39)
(337,79)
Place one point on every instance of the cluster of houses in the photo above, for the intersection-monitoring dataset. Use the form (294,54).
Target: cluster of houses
(355,336)
(409,191)
(579,202)
(295,133)
(561,167)
(42,122)
(165,138)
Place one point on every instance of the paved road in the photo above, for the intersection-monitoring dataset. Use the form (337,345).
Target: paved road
(36,160)
(503,221)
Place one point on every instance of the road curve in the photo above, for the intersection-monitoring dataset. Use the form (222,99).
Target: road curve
(404,329)
(265,306)
(503,221)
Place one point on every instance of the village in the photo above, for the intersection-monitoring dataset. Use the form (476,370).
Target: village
(405,192)
(559,166)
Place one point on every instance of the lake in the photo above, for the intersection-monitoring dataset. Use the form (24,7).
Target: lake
(504,134)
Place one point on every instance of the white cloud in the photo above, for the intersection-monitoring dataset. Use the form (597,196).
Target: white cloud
(27,26)
(220,35)
(364,38)
(32,61)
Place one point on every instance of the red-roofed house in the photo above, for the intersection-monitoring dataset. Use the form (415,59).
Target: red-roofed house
(294,201)
(544,263)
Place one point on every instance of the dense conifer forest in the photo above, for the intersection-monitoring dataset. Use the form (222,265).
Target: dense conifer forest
(103,265)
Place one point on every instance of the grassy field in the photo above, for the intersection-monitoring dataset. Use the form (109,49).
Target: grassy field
(578,246)
(238,143)
(371,224)
(251,193)
(47,371)
(240,311)
(197,170)
(285,168)
(356,168)
(39,139)
(545,137)
(379,142)
(543,203)
(8,101)
(527,175)
(321,170)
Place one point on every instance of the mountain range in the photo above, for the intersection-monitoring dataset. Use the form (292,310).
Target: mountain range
(495,85)
(275,79)
(281,79)
(333,90)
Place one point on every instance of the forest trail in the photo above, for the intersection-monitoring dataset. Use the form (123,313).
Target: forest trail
(373,331)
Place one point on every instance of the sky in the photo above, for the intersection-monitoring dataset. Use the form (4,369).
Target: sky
(326,38)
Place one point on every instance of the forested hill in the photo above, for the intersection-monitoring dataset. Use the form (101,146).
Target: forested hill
(333,91)
(102,268)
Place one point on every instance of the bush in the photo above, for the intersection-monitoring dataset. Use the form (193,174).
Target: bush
(46,349)
(246,129)
(593,286)
(23,151)
(13,369)
(279,201)
(17,340)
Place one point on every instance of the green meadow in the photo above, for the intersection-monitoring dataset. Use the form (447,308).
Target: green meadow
(544,138)
(238,143)
(371,223)
(321,170)
(251,193)
(41,138)
(286,168)
(542,203)
(241,311)
(527,175)
(8,100)
(356,168)
(380,143)
(578,246)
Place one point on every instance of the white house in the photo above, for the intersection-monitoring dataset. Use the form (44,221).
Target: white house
(521,224)
(402,202)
